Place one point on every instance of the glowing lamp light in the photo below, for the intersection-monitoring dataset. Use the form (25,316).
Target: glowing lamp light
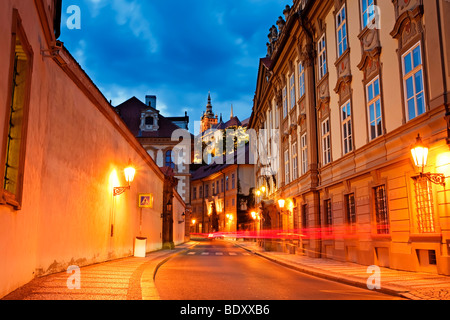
(258,193)
(263,189)
(194,221)
(129,173)
(281,203)
(253,215)
(420,153)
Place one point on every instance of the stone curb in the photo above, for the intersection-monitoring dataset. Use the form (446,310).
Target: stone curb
(349,280)
(148,287)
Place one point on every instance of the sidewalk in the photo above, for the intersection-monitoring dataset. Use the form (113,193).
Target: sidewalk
(410,285)
(124,279)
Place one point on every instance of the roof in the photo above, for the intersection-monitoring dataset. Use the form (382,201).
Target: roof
(130,112)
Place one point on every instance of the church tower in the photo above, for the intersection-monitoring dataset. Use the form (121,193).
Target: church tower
(209,119)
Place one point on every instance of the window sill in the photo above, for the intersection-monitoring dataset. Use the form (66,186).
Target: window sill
(425,237)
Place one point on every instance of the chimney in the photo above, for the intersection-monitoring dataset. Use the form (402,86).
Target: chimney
(150,101)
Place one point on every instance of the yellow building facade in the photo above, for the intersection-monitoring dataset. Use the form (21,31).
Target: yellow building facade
(347,86)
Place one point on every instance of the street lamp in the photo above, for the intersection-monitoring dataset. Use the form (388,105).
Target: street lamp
(129,173)
(281,203)
(419,153)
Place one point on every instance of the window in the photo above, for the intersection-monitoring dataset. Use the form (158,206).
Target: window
(304,216)
(294,162)
(194,193)
(301,80)
(200,192)
(328,216)
(213,189)
(286,167)
(347,139)
(374,106)
(341,27)
(322,57)
(16,116)
(227,183)
(350,209)
(381,210)
(169,160)
(367,12)
(233,181)
(207,191)
(424,205)
(149,121)
(221,185)
(326,142)
(233,202)
(304,145)
(292,90)
(285,103)
(413,82)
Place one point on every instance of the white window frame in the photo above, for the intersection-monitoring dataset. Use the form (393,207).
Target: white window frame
(285,103)
(292,91)
(304,146)
(286,167)
(326,141)
(322,50)
(347,130)
(374,108)
(341,31)
(412,75)
(367,12)
(301,80)
(294,161)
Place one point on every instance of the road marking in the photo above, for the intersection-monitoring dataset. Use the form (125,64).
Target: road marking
(205,254)
(233,254)
(191,253)
(246,254)
(219,253)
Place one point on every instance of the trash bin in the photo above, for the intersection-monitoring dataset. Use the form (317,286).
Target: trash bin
(140,247)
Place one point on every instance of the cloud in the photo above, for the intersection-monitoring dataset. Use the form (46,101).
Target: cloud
(177,50)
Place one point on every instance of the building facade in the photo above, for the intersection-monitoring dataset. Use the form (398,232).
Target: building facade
(345,89)
(157,133)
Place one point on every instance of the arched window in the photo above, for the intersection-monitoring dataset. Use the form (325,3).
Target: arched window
(169,161)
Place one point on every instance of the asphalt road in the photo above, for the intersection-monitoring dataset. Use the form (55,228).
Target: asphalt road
(218,270)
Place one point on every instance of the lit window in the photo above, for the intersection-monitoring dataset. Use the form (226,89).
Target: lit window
(341,27)
(301,80)
(347,137)
(413,82)
(381,210)
(328,216)
(350,209)
(424,205)
(322,57)
(367,12)
(374,106)
(233,181)
(326,142)
(304,145)
(292,90)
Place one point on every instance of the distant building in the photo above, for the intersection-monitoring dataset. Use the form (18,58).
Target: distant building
(154,132)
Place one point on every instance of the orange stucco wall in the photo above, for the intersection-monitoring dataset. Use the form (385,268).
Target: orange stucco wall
(76,151)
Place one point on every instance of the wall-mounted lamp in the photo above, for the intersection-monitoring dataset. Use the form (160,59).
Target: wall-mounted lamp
(281,203)
(129,173)
(419,153)
(169,205)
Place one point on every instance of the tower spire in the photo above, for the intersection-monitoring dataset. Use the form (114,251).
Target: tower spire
(232,113)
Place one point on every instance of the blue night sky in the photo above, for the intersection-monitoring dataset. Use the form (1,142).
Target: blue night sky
(176,50)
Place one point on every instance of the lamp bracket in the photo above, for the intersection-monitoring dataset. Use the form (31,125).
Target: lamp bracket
(120,190)
(436,178)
